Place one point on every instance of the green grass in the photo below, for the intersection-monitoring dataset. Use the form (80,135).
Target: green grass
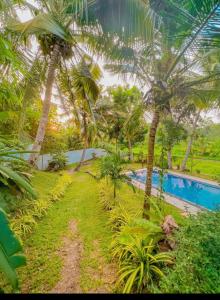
(80,203)
(43,182)
(44,264)
(204,167)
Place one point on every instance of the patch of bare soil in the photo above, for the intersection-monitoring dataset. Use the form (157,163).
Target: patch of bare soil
(71,171)
(105,273)
(71,253)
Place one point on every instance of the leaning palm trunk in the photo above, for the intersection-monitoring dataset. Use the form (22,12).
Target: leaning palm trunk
(28,94)
(169,158)
(82,158)
(190,142)
(150,161)
(46,105)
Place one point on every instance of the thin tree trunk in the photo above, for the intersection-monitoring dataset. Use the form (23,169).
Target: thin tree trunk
(46,105)
(81,159)
(85,144)
(150,161)
(190,142)
(169,158)
(131,158)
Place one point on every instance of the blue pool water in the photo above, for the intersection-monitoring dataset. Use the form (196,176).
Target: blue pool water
(196,192)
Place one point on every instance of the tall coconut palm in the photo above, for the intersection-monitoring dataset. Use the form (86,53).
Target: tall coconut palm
(53,27)
(32,87)
(170,63)
(54,24)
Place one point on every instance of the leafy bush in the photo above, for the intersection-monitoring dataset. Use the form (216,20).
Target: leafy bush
(135,246)
(197,265)
(111,168)
(13,169)
(58,162)
(105,197)
(120,216)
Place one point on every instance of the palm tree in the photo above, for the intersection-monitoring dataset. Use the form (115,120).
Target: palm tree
(33,82)
(52,25)
(133,125)
(112,167)
(170,66)
(83,91)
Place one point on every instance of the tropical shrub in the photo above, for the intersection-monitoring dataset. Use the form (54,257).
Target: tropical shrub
(143,268)
(197,263)
(13,173)
(11,256)
(135,247)
(120,216)
(58,162)
(105,196)
(111,168)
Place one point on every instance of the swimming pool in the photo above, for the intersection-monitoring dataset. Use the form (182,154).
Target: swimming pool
(193,191)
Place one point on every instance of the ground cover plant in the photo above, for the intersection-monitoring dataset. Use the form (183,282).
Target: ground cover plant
(196,268)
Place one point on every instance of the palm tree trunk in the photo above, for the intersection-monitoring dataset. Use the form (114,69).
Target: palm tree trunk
(26,98)
(150,160)
(169,158)
(190,141)
(81,159)
(130,150)
(85,144)
(46,105)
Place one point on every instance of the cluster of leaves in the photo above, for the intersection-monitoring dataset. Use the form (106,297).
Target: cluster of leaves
(111,168)
(26,218)
(135,247)
(197,264)
(11,256)
(105,196)
(13,168)
(58,162)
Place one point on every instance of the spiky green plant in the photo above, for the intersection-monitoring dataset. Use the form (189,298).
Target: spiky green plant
(142,267)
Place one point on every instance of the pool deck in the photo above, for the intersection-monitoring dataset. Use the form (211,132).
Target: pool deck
(215,183)
(185,206)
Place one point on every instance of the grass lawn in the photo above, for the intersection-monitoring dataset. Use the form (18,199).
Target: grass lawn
(80,203)
(207,168)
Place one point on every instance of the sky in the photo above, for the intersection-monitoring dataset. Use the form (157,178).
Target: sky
(107,78)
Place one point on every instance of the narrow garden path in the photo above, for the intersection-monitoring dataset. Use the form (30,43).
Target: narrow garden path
(68,251)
